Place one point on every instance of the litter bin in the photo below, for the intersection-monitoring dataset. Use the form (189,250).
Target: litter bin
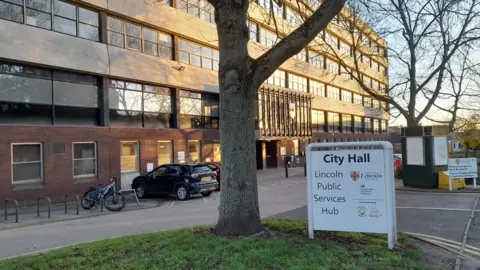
(443,178)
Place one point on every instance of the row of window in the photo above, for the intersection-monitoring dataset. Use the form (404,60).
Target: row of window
(334,122)
(28,161)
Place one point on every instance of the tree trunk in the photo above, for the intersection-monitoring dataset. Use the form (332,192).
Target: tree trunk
(239,211)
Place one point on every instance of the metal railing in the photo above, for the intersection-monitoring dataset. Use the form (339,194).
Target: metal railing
(134,193)
(16,209)
(49,205)
(77,199)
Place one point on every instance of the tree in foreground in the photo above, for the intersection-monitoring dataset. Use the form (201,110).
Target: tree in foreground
(240,76)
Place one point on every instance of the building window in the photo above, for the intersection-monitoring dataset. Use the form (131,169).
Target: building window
(318,121)
(165,152)
(357,99)
(333,122)
(346,96)
(198,110)
(316,59)
(139,38)
(366,60)
(217,155)
(333,92)
(198,8)
(314,4)
(129,158)
(375,66)
(277,10)
(375,85)
(382,70)
(302,55)
(253,29)
(368,125)
(346,72)
(376,104)
(68,18)
(277,78)
(268,38)
(385,126)
(368,102)
(27,162)
(376,126)
(347,123)
(134,104)
(84,159)
(317,88)
(358,124)
(332,66)
(292,17)
(345,49)
(194,151)
(197,55)
(331,40)
(297,83)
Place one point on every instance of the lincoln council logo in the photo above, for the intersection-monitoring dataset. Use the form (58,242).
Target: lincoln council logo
(362,211)
(354,175)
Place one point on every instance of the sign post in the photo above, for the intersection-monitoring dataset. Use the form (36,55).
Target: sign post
(462,168)
(351,188)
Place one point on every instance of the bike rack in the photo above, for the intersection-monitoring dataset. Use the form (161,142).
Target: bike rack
(38,205)
(16,209)
(77,200)
(134,193)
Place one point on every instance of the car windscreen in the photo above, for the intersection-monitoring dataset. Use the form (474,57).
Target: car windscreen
(200,169)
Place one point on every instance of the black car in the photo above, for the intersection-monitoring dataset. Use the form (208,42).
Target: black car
(182,180)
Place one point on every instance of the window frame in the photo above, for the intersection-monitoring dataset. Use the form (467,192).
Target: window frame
(137,155)
(12,163)
(95,158)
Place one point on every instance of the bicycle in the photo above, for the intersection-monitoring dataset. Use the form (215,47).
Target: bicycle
(98,195)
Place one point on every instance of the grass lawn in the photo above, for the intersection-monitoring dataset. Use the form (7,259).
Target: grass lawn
(196,249)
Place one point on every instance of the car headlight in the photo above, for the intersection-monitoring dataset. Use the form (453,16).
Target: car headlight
(186,180)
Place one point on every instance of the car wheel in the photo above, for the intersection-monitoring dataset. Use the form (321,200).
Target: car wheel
(141,191)
(206,194)
(182,193)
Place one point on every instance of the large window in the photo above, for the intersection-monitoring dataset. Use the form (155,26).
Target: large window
(292,17)
(84,159)
(333,122)
(40,96)
(316,59)
(198,110)
(346,72)
(165,152)
(129,158)
(376,126)
(331,40)
(67,18)
(357,99)
(333,92)
(197,55)
(134,104)
(368,102)
(346,96)
(217,155)
(345,49)
(197,8)
(268,38)
(347,123)
(269,5)
(376,104)
(318,121)
(139,38)
(277,78)
(358,124)
(297,83)
(253,29)
(301,56)
(317,88)
(375,65)
(385,126)
(27,163)
(332,66)
(194,151)
(368,125)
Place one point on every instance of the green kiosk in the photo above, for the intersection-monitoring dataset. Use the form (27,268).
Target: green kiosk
(424,155)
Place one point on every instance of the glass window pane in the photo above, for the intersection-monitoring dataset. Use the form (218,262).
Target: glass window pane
(215,65)
(38,73)
(164,152)
(27,171)
(183,57)
(165,52)
(74,77)
(125,100)
(26,153)
(25,90)
(43,5)
(194,48)
(76,95)
(84,167)
(65,10)
(206,63)
(88,32)
(156,103)
(134,43)
(115,25)
(38,18)
(194,151)
(133,30)
(88,16)
(194,60)
(11,12)
(150,48)
(116,39)
(83,150)
(150,35)
(65,26)
(206,52)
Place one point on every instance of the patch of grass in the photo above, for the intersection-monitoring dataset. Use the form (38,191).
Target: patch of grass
(185,249)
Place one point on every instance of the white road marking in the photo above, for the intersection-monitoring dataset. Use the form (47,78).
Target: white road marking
(205,200)
(170,204)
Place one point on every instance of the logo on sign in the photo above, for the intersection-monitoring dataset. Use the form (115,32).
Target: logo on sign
(362,211)
(355,175)
(374,212)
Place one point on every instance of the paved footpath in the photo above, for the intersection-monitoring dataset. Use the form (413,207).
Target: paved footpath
(439,218)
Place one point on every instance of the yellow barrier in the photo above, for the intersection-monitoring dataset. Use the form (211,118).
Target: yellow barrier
(443,181)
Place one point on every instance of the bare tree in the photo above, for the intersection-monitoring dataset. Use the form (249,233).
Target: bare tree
(426,36)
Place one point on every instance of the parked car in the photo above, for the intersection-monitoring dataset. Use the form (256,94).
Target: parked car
(214,166)
(182,180)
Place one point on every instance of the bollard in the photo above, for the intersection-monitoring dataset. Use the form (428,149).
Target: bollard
(16,209)
(38,205)
(305,169)
(286,170)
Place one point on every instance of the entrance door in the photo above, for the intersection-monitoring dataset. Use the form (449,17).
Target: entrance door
(272,161)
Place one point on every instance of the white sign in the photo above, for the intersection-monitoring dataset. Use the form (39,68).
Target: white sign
(440,151)
(149,167)
(351,190)
(462,168)
(415,151)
